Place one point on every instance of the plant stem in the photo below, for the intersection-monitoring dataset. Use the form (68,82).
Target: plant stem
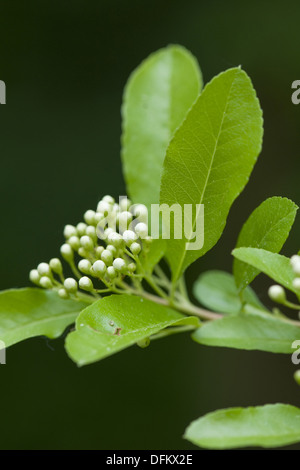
(182,288)
(155,287)
(291,305)
(85,297)
(160,273)
(187,308)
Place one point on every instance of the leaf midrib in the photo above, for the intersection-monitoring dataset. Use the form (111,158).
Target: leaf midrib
(207,179)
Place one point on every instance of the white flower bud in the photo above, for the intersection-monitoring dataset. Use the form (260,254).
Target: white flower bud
(56,266)
(85,283)
(111,272)
(108,199)
(124,204)
(115,239)
(84,266)
(104,207)
(296,283)
(34,276)
(102,233)
(99,268)
(99,250)
(83,252)
(45,282)
(89,217)
(71,285)
(98,217)
(67,252)
(63,294)
(135,248)
(141,230)
(87,242)
(112,249)
(91,232)
(69,231)
(116,208)
(129,237)
(107,256)
(81,228)
(119,264)
(108,231)
(141,212)
(124,220)
(74,243)
(131,267)
(295,259)
(44,269)
(277,293)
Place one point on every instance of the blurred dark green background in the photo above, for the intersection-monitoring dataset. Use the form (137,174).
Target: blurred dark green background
(65,65)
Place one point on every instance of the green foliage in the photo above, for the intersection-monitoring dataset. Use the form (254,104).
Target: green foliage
(178,148)
(217,291)
(265,426)
(156,99)
(268,228)
(25,313)
(155,254)
(249,331)
(210,158)
(277,267)
(117,322)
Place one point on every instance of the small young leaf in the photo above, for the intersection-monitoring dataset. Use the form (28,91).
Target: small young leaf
(217,291)
(29,312)
(117,322)
(267,227)
(154,255)
(210,158)
(157,97)
(265,426)
(277,267)
(250,331)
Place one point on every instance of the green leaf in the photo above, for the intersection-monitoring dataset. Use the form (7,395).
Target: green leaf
(117,322)
(267,227)
(217,291)
(151,258)
(250,331)
(210,158)
(29,312)
(156,99)
(277,267)
(265,426)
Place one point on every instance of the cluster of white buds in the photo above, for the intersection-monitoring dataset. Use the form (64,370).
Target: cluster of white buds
(277,292)
(100,251)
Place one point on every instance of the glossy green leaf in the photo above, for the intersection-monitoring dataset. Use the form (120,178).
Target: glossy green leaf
(117,322)
(251,331)
(217,291)
(276,266)
(268,228)
(265,426)
(157,97)
(29,312)
(210,159)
